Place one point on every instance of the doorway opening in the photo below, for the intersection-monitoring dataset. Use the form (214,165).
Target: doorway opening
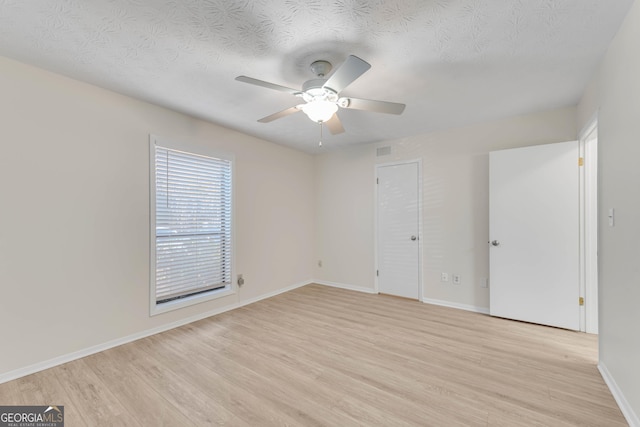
(589,228)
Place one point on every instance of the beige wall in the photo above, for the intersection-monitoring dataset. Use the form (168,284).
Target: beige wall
(615,91)
(344,226)
(455,170)
(74,235)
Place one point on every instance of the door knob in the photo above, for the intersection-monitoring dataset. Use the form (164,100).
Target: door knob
(495,243)
(414,238)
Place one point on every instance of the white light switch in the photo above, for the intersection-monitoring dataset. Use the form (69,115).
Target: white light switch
(610,217)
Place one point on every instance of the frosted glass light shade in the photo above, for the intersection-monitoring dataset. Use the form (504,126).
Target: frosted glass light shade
(319,110)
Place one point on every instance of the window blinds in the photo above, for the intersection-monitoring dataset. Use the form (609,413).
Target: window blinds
(193,224)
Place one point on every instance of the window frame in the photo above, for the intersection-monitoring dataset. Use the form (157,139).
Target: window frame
(154,307)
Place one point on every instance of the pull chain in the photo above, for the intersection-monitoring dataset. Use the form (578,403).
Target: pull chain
(320,143)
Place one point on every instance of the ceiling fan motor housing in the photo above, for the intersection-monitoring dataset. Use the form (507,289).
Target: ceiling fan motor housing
(314,90)
(321,68)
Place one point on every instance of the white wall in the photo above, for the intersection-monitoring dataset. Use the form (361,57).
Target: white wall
(615,91)
(455,202)
(344,222)
(74,214)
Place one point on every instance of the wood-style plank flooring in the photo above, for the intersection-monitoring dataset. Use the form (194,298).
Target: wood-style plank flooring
(319,356)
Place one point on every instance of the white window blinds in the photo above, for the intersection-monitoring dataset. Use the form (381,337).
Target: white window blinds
(193,224)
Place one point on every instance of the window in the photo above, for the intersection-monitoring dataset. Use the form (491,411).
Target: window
(191,201)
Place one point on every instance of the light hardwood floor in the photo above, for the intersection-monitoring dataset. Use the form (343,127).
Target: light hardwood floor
(319,356)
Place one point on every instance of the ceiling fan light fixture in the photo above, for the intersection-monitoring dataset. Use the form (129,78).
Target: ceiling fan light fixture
(321,95)
(319,110)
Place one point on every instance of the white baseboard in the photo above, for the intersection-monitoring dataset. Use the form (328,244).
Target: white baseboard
(272,294)
(627,410)
(449,304)
(425,300)
(346,286)
(40,366)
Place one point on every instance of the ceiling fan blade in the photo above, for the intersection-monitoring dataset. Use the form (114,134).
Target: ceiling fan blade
(371,105)
(279,115)
(334,125)
(268,85)
(346,73)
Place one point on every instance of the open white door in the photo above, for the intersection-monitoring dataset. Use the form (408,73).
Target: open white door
(534,233)
(398,228)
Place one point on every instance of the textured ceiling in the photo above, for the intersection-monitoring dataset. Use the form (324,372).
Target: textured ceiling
(452,62)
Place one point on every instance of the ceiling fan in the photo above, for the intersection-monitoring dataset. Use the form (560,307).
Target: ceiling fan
(321,95)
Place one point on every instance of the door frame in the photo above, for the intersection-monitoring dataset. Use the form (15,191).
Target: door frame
(375,222)
(589,227)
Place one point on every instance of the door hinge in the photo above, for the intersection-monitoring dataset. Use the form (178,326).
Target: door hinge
(581,301)
(377,273)
(580,161)
(377,180)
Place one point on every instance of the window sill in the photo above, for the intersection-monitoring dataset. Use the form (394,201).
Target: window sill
(189,301)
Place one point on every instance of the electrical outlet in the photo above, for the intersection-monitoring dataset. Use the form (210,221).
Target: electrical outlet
(456,279)
(444,277)
(484,282)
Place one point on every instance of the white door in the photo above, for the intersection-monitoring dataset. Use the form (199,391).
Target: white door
(398,229)
(534,226)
